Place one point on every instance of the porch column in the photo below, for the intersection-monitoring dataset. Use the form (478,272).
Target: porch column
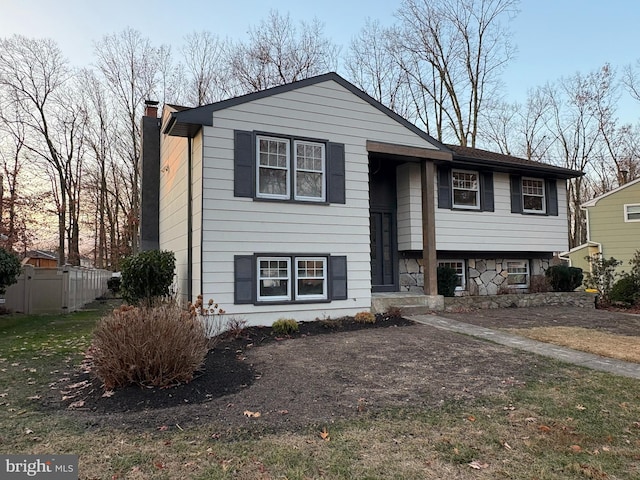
(429,228)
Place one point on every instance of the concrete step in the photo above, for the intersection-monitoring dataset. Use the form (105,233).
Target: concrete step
(407,310)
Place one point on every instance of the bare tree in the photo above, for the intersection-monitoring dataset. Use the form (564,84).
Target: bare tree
(129,64)
(454,51)
(277,52)
(206,62)
(371,66)
(34,72)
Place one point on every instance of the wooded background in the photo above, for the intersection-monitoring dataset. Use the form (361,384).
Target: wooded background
(70,139)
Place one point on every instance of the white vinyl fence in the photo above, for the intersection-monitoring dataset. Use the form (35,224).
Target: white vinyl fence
(56,290)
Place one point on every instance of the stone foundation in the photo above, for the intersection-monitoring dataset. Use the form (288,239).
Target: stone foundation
(574,299)
(483,276)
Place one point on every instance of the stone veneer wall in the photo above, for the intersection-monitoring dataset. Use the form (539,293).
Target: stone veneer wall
(576,299)
(483,276)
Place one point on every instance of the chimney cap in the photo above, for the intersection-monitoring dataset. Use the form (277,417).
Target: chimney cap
(151,103)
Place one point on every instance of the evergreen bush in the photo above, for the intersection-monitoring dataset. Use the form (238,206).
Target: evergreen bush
(447,281)
(9,269)
(564,278)
(147,276)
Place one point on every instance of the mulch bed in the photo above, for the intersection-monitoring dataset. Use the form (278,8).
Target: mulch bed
(331,371)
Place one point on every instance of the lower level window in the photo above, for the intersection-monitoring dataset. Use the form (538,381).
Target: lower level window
(518,273)
(458,266)
(276,277)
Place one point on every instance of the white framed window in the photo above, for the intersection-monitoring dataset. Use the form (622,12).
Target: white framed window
(310,171)
(466,189)
(458,266)
(311,278)
(274,279)
(632,212)
(533,196)
(518,273)
(272,175)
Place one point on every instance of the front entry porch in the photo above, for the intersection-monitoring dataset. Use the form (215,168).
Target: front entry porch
(408,303)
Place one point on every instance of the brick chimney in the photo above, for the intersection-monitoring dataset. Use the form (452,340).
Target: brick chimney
(151,108)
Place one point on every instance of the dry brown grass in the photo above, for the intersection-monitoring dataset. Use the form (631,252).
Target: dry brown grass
(620,347)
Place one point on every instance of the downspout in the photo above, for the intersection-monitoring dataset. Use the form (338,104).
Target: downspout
(189,221)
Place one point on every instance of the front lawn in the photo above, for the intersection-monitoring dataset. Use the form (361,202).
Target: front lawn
(549,421)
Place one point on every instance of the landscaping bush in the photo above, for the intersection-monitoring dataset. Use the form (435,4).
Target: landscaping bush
(156,346)
(113,284)
(564,278)
(365,317)
(9,270)
(285,326)
(146,276)
(626,291)
(602,276)
(447,281)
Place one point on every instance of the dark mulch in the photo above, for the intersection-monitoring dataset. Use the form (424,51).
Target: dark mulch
(331,371)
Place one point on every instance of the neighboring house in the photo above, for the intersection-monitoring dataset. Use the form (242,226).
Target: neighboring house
(41,259)
(306,199)
(613,227)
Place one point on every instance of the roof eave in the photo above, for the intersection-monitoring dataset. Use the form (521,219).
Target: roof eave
(558,172)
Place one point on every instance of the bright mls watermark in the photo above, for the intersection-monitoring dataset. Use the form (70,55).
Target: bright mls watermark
(51,467)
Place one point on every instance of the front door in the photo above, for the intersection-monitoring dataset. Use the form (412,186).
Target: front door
(383,204)
(383,267)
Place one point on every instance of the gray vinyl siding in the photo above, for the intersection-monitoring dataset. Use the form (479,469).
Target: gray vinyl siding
(473,230)
(502,230)
(173,204)
(242,226)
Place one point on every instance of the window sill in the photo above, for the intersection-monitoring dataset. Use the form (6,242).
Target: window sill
(289,200)
(261,303)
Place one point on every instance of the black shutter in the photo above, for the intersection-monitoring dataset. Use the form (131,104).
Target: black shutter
(335,173)
(244,275)
(486,192)
(338,280)
(551,187)
(444,187)
(243,164)
(516,194)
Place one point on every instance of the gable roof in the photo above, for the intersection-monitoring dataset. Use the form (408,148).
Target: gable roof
(476,157)
(186,123)
(593,201)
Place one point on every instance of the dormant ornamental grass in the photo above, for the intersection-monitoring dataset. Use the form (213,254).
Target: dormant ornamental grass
(156,346)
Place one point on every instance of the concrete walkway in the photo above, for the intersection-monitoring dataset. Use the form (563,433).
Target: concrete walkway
(589,360)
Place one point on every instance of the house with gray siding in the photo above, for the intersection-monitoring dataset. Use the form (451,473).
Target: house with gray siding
(309,199)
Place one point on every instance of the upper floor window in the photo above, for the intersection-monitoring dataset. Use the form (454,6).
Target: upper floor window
(310,171)
(275,169)
(281,167)
(632,213)
(466,189)
(533,195)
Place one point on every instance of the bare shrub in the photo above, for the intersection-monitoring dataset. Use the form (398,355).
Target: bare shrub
(365,317)
(211,316)
(158,346)
(539,284)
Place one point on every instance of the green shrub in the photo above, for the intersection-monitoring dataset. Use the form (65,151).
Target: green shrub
(285,326)
(626,291)
(9,270)
(113,284)
(564,278)
(146,276)
(447,281)
(602,276)
(157,346)
(365,317)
